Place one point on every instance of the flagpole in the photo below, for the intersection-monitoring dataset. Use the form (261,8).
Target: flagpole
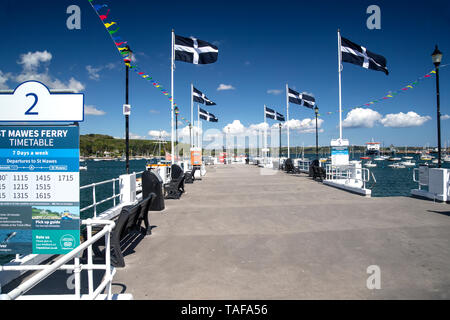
(340,88)
(265,135)
(287,112)
(172,101)
(198,125)
(192,111)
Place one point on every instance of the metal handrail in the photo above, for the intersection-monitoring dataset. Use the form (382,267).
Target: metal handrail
(60,264)
(94,196)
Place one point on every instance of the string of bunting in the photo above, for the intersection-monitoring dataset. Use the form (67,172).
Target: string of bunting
(112,28)
(392,94)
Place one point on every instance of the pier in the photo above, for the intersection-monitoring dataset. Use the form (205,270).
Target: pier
(238,234)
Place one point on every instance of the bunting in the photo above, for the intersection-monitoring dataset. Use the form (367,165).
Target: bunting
(112,28)
(391,94)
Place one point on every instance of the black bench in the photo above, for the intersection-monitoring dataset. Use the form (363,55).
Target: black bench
(175,188)
(289,166)
(190,175)
(128,225)
(316,171)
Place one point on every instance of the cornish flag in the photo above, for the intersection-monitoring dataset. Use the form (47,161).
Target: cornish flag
(192,50)
(200,97)
(302,99)
(359,55)
(280,117)
(205,115)
(270,113)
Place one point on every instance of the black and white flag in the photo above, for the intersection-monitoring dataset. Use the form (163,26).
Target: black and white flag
(192,50)
(270,113)
(205,115)
(302,99)
(280,117)
(200,97)
(359,55)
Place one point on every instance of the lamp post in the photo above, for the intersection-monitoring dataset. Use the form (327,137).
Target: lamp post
(176,111)
(437,57)
(127,61)
(316,111)
(279,149)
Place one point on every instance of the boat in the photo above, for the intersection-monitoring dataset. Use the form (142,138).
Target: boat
(83,168)
(365,158)
(369,164)
(394,159)
(407,157)
(373,148)
(380,158)
(397,165)
(157,162)
(408,163)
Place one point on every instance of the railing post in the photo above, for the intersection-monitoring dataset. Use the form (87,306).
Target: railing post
(114,192)
(108,261)
(89,261)
(94,201)
(76,272)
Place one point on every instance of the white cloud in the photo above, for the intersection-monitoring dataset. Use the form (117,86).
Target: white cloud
(4,77)
(136,136)
(306,125)
(154,111)
(403,120)
(184,132)
(157,133)
(361,118)
(32,60)
(236,127)
(93,111)
(93,72)
(443,116)
(274,91)
(223,87)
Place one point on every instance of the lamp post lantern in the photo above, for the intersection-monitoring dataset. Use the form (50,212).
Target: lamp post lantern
(127,61)
(316,111)
(437,57)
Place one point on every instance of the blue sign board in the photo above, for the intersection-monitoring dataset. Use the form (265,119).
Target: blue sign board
(39,189)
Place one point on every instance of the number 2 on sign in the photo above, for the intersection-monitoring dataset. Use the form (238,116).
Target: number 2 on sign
(29,112)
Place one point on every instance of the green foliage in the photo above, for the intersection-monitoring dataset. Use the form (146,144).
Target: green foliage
(100,145)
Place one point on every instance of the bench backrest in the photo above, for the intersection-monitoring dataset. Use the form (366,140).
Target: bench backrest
(176,172)
(127,219)
(145,207)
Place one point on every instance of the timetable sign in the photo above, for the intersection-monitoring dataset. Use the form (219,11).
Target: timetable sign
(39,189)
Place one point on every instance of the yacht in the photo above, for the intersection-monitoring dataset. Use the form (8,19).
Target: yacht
(397,165)
(369,164)
(407,157)
(408,163)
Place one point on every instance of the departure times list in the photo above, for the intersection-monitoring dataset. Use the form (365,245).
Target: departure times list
(39,189)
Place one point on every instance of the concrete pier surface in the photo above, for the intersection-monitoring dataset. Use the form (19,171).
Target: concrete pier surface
(238,234)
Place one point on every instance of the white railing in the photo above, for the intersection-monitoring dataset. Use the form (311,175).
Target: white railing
(96,203)
(61,264)
(116,194)
(303,165)
(349,174)
(422,177)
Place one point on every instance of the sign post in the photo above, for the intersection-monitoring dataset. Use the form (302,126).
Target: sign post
(39,172)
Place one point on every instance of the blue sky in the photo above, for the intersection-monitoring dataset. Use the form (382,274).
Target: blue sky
(261,47)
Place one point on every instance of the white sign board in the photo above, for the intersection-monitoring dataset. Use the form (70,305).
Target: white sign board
(339,152)
(32,101)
